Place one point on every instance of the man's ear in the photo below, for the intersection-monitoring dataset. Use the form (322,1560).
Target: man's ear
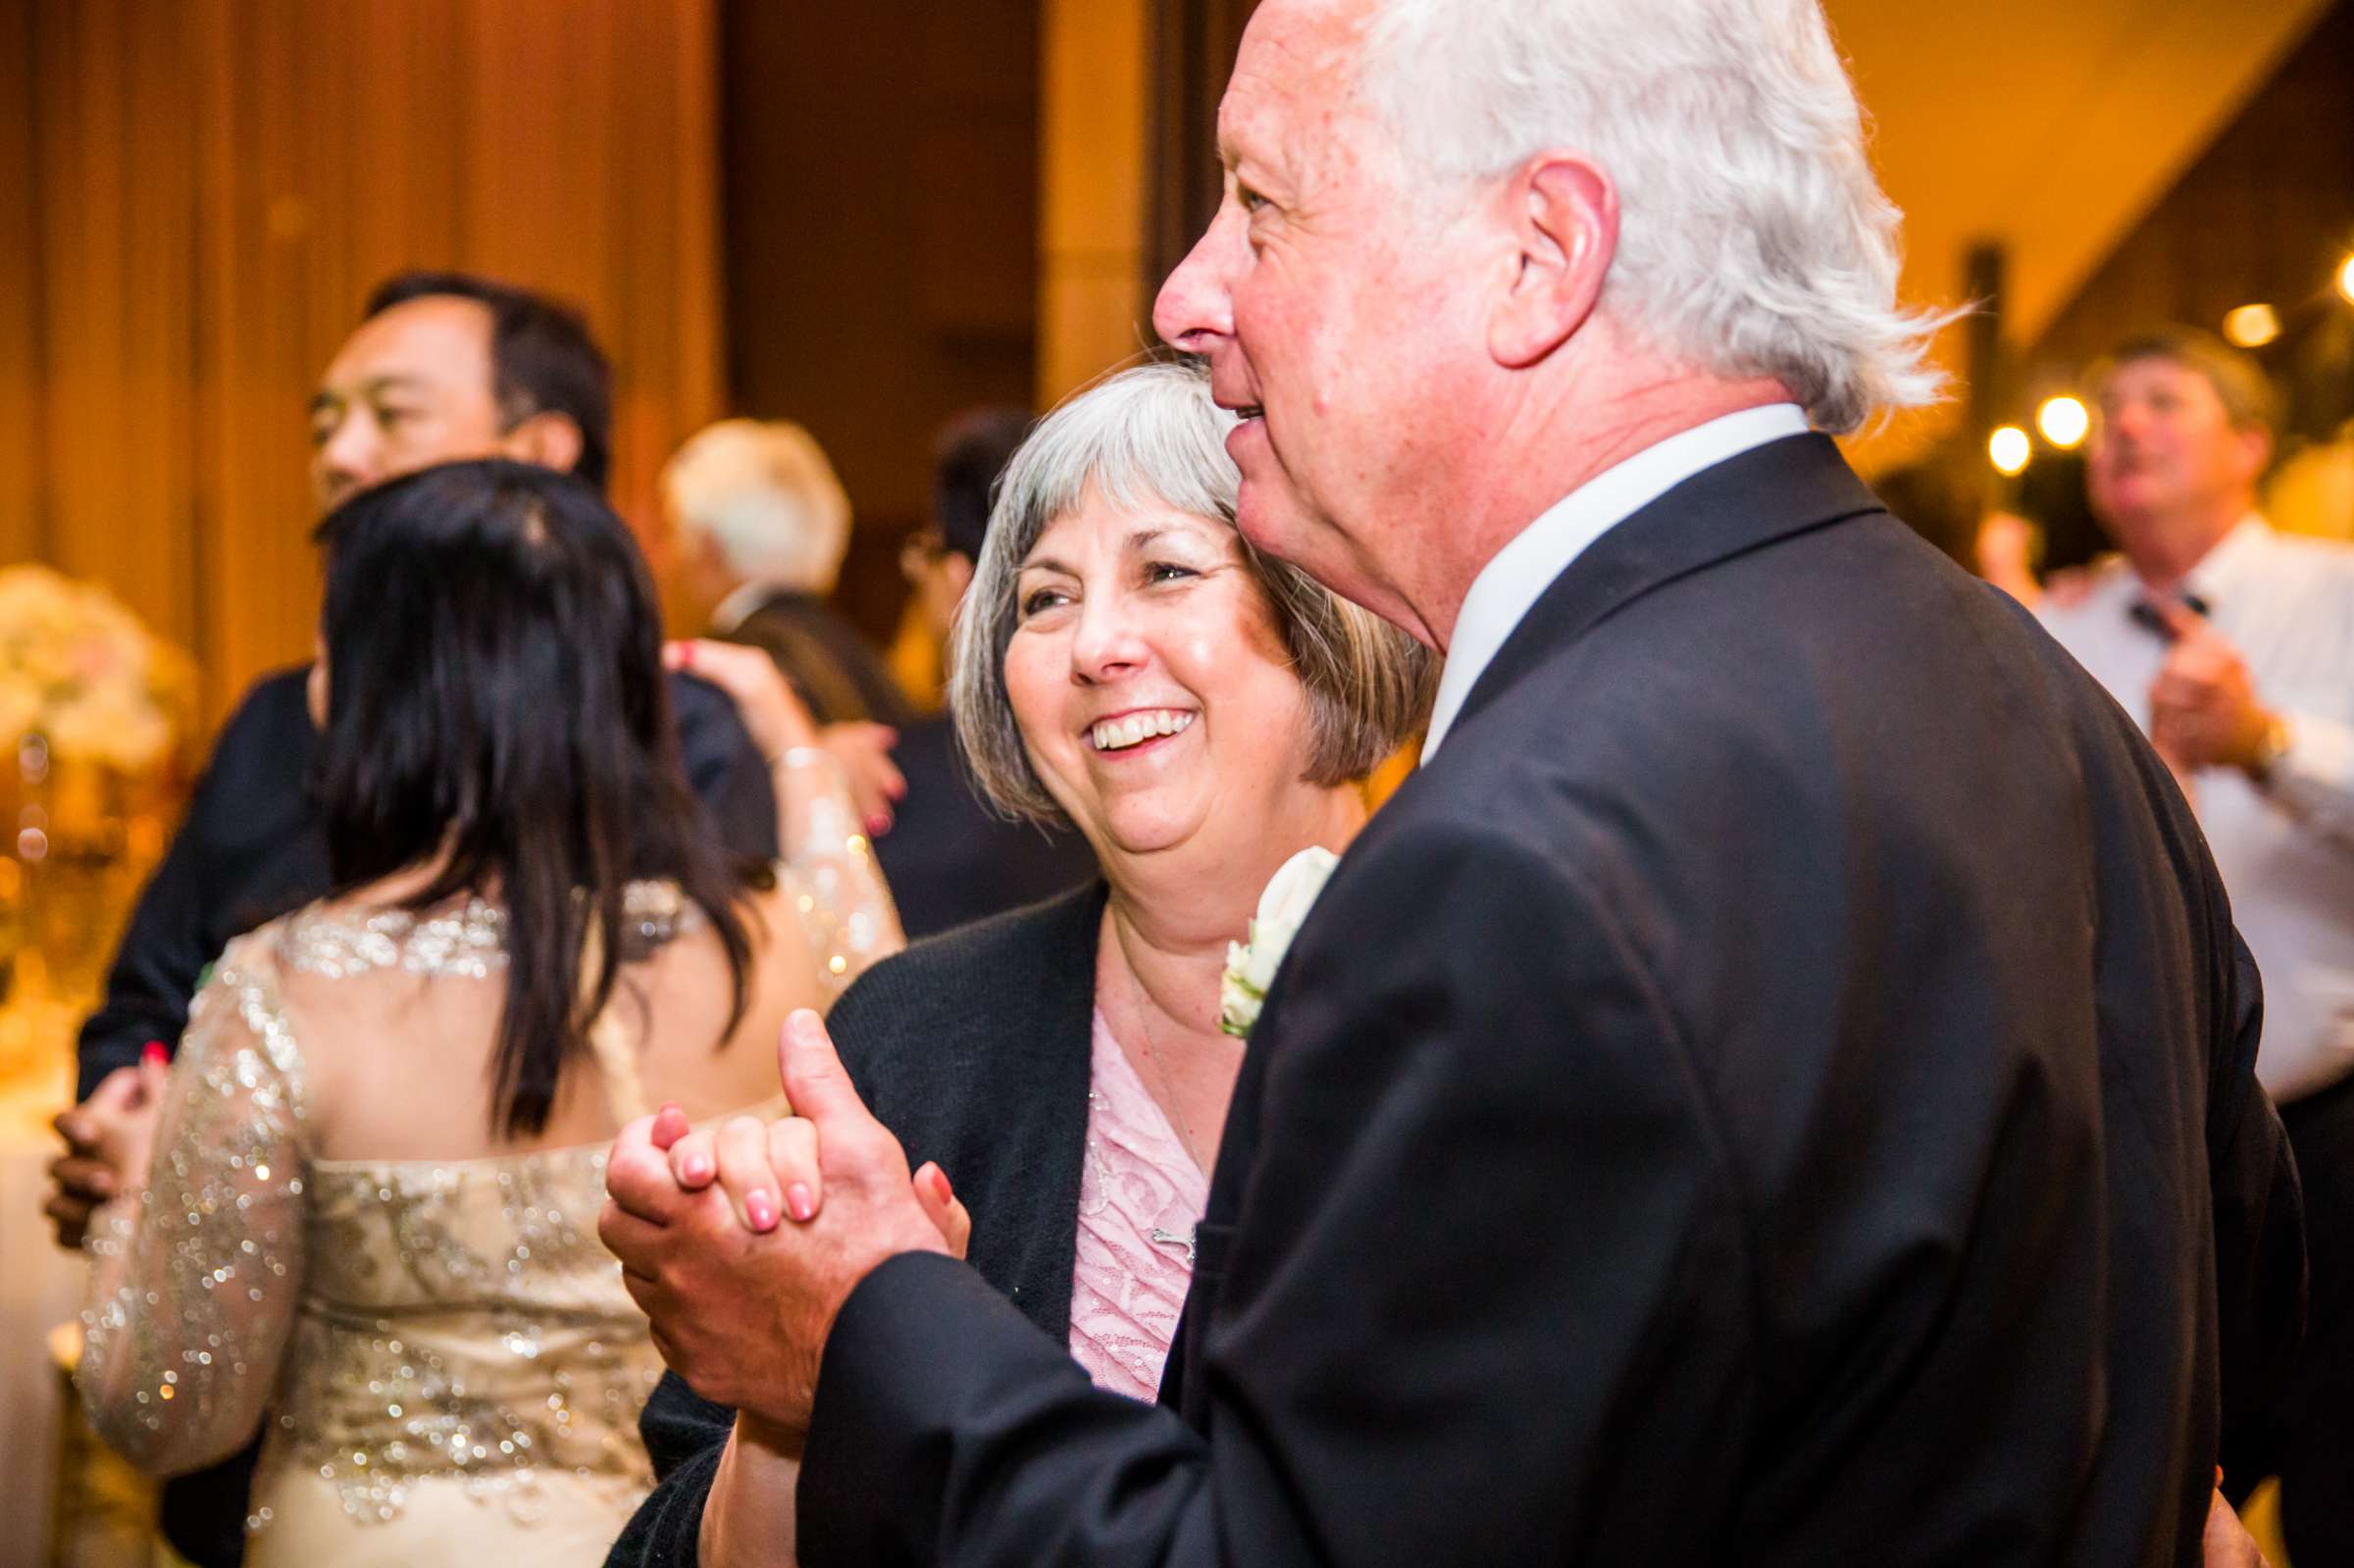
(549,439)
(1563,215)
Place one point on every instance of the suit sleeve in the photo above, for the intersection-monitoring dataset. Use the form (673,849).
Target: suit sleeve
(1484,1237)
(2259,1214)
(724,767)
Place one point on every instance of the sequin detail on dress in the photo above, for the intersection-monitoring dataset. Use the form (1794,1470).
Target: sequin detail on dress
(397,1320)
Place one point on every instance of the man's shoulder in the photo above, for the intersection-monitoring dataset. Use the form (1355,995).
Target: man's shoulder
(2309,558)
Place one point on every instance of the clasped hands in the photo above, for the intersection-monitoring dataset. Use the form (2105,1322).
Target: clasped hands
(742,1242)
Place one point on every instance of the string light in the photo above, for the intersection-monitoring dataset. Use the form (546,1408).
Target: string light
(2252,326)
(2010,449)
(2063,421)
(2345,280)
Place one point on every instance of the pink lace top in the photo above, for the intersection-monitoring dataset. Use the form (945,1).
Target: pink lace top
(1127,1289)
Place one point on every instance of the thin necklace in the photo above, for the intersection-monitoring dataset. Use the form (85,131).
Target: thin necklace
(1168,1086)
(1190,1237)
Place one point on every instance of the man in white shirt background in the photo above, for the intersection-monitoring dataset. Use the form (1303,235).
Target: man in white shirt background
(2233,645)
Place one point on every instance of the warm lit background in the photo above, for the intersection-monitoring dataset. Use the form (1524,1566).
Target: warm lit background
(865,213)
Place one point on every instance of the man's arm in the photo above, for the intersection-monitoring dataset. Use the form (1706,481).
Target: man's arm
(1486,1238)
(2259,1209)
(2312,775)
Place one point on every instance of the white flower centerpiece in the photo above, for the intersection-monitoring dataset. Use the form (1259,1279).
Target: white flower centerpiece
(1282,909)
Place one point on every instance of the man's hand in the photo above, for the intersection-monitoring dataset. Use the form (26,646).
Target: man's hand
(742,1316)
(2203,712)
(107,1138)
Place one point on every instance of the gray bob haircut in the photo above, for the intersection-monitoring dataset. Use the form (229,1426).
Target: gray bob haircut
(1754,238)
(1151,437)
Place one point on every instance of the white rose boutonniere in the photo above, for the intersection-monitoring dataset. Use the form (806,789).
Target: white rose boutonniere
(1251,966)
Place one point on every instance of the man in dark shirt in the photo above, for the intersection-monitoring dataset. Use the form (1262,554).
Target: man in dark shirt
(445,366)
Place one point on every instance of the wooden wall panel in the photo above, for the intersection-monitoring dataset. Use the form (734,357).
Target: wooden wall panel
(210,187)
(881,160)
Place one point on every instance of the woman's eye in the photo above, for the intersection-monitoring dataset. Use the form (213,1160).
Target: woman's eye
(1168,572)
(1040,600)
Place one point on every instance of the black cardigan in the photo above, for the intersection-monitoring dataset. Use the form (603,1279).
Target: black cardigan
(974,1048)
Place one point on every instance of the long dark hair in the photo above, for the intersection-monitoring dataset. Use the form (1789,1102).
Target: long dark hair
(495,689)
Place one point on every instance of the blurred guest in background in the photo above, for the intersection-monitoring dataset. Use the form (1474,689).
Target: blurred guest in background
(442,366)
(2233,646)
(1202,713)
(762,525)
(2007,553)
(949,857)
(376,1154)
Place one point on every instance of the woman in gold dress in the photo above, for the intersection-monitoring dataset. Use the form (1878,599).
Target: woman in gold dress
(373,1171)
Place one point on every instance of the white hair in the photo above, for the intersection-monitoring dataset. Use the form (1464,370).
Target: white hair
(1754,238)
(766,496)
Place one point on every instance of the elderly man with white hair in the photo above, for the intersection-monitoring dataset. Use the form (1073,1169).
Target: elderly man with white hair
(762,525)
(1776,1086)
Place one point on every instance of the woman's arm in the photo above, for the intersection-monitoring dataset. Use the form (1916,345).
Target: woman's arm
(749,1515)
(196,1274)
(832,880)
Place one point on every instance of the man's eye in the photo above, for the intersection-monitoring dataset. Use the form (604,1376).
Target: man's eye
(1252,201)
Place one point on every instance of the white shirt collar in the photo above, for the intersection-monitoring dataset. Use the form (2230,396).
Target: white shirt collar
(1517,576)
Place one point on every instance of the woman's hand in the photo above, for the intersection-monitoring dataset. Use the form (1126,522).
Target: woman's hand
(773,716)
(123,1111)
(778,722)
(769,1172)
(863,751)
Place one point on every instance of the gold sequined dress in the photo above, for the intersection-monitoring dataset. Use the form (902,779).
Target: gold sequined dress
(439,1354)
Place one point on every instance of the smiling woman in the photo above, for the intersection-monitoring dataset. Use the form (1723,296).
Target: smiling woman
(1127,663)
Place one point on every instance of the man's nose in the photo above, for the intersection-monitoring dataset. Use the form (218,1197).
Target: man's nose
(1195,311)
(348,458)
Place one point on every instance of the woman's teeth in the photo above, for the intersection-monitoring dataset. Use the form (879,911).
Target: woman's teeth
(1118,735)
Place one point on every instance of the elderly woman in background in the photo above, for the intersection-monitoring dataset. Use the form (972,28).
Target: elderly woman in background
(1128,664)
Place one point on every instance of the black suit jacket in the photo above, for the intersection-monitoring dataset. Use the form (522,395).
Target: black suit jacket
(250,850)
(976,1048)
(837,672)
(1778,1087)
(950,859)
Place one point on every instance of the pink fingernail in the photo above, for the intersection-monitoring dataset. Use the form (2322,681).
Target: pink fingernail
(799,1201)
(762,1210)
(698,1169)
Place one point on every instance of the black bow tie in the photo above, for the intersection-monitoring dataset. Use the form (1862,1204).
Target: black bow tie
(2143,614)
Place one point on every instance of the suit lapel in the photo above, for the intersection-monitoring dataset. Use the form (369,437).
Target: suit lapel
(1769,493)
(1766,493)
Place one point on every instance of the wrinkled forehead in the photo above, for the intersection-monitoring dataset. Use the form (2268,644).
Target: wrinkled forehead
(1296,83)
